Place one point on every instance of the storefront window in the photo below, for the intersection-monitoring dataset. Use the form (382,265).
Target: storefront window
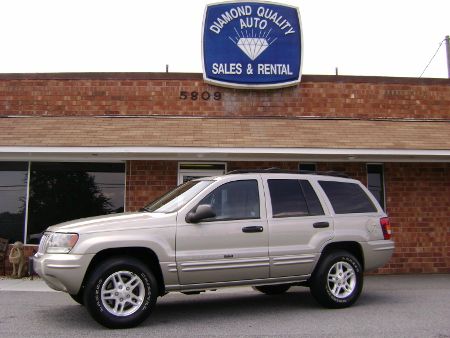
(13,196)
(61,192)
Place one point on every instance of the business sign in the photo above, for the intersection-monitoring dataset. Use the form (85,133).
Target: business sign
(252,45)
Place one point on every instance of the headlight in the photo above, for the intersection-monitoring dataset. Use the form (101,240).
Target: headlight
(61,243)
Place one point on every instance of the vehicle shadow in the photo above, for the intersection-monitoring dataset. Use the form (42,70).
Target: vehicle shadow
(214,306)
(185,309)
(181,308)
(230,304)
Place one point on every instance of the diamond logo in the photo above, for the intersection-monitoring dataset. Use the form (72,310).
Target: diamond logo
(251,44)
(252,47)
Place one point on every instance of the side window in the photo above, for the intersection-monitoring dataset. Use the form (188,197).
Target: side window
(234,200)
(347,198)
(293,198)
(314,206)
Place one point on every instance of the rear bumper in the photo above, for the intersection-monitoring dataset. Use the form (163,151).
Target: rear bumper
(377,253)
(62,272)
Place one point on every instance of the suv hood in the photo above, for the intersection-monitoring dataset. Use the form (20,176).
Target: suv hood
(128,220)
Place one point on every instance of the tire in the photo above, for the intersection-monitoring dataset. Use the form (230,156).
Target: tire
(121,293)
(337,281)
(272,289)
(78,298)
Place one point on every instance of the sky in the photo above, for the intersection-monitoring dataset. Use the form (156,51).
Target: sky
(359,37)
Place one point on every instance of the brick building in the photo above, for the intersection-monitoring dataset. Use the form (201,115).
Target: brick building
(75,145)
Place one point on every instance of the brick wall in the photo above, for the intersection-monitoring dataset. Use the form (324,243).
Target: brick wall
(147,180)
(418,203)
(261,165)
(150,94)
(417,199)
(355,170)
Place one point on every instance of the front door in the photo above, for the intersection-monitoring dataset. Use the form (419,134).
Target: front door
(231,246)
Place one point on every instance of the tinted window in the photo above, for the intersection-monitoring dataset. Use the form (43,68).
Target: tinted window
(234,200)
(347,198)
(287,198)
(314,206)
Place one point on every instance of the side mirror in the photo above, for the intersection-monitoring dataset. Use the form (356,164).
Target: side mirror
(203,211)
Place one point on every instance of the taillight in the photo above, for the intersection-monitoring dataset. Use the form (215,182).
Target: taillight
(386,227)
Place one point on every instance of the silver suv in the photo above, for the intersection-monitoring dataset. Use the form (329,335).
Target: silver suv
(267,229)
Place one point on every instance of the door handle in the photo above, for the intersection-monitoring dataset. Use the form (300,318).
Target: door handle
(321,225)
(254,228)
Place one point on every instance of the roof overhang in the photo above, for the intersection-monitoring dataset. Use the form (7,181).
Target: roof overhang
(222,139)
(105,154)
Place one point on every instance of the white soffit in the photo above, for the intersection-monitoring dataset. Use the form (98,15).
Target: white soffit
(230,154)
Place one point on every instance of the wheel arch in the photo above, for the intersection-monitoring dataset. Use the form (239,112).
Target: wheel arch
(145,255)
(352,247)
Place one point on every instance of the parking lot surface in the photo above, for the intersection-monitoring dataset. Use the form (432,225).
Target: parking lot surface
(390,306)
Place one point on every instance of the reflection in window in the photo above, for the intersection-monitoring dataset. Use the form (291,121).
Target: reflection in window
(65,191)
(234,200)
(375,182)
(287,198)
(178,197)
(347,198)
(293,198)
(314,205)
(13,191)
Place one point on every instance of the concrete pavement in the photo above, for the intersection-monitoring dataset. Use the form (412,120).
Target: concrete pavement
(409,306)
(24,284)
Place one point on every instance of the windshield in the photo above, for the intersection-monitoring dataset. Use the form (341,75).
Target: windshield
(177,198)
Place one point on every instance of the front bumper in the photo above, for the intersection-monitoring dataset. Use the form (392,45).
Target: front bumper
(62,272)
(377,253)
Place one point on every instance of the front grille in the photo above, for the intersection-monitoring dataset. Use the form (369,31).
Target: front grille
(43,243)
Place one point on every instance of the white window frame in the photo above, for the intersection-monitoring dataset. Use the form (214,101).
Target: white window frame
(199,172)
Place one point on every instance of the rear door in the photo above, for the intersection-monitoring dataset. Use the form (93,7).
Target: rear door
(298,226)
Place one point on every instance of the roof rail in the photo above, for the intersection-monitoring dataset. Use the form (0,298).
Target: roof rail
(284,171)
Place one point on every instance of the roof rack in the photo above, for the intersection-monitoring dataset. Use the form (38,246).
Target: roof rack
(284,171)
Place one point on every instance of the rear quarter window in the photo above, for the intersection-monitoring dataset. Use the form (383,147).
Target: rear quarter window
(347,198)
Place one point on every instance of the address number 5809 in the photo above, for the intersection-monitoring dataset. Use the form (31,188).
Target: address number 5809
(184,95)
